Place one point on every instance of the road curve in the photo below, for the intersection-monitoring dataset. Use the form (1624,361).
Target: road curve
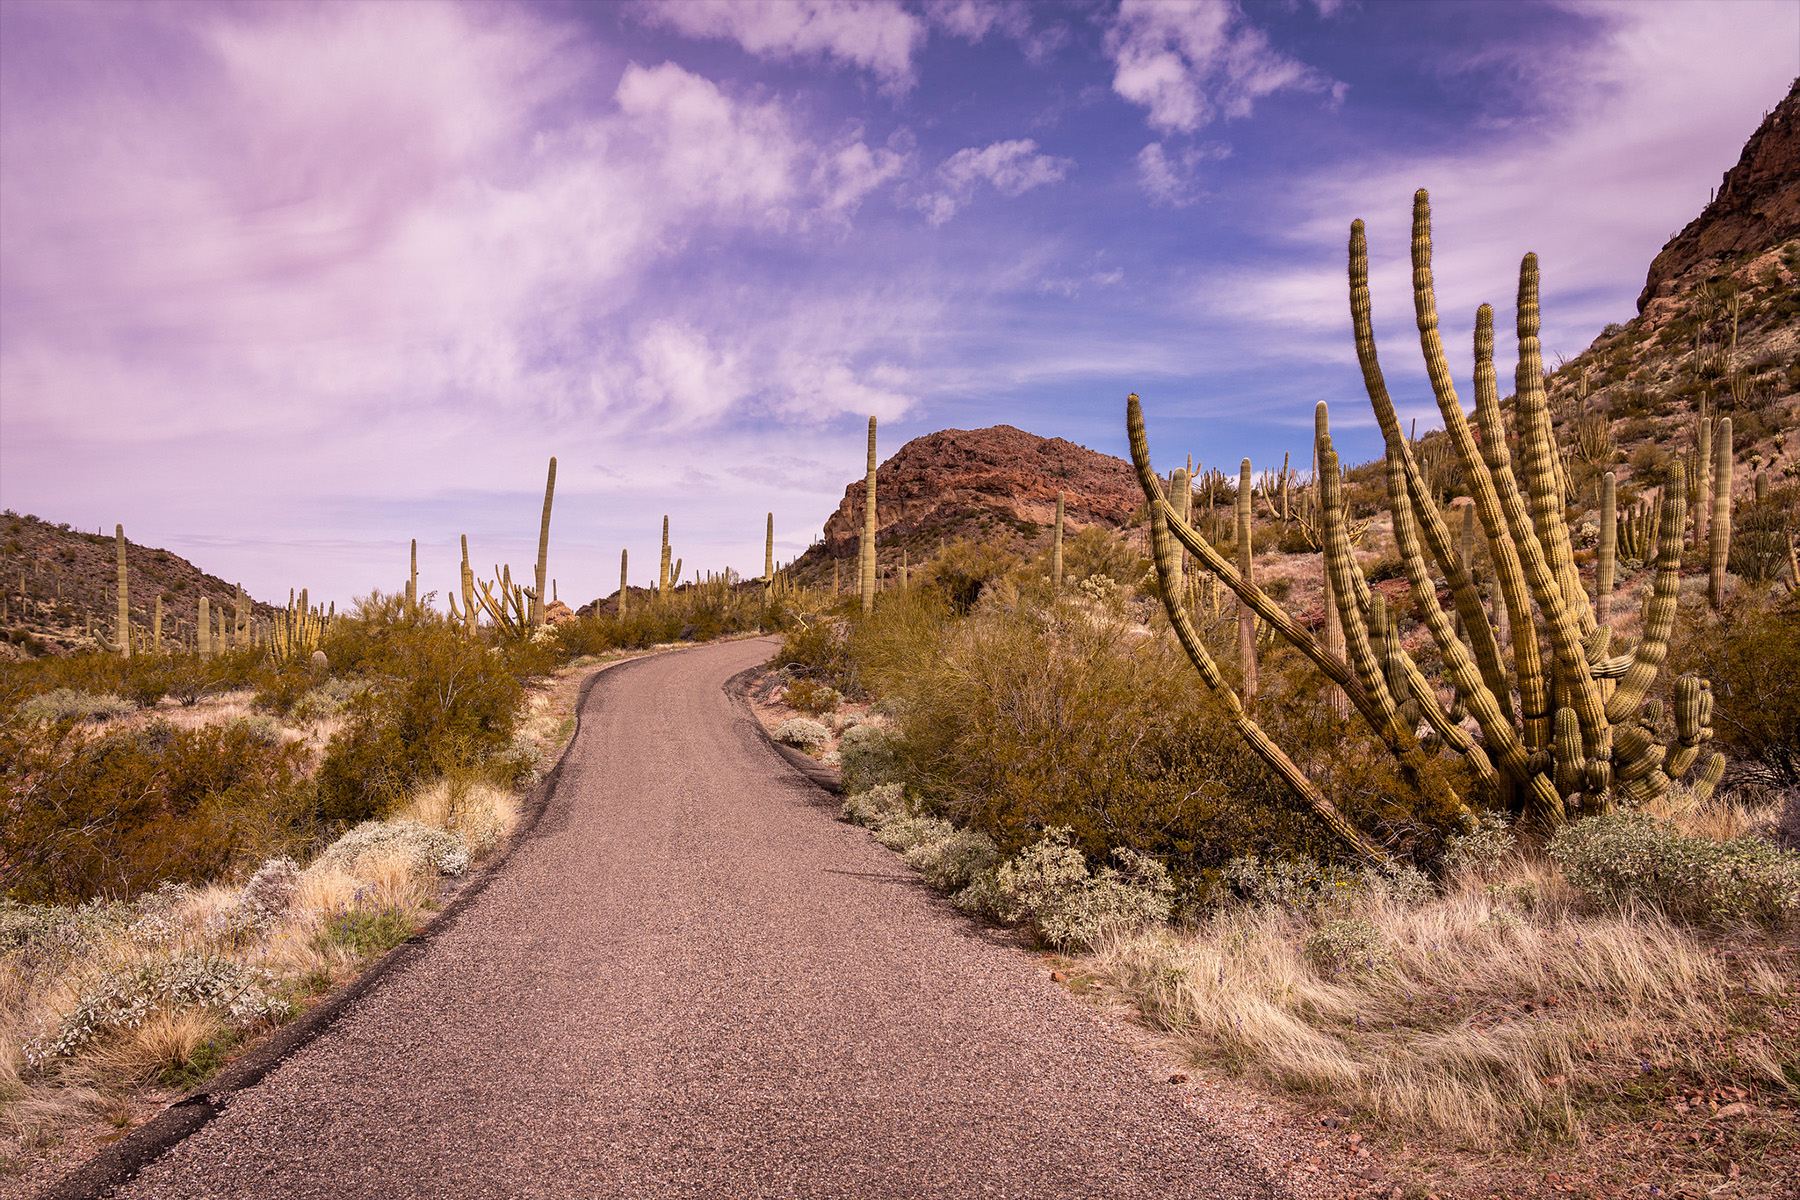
(692,979)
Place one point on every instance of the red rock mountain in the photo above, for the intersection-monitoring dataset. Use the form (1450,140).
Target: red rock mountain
(998,484)
(1757,206)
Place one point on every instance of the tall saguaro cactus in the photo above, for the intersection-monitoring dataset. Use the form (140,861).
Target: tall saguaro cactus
(1056,546)
(1720,545)
(1246,626)
(662,574)
(467,577)
(124,626)
(412,582)
(866,556)
(624,588)
(203,630)
(769,550)
(543,558)
(1582,737)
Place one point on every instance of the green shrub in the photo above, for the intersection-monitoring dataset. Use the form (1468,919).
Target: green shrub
(809,696)
(875,806)
(963,570)
(952,862)
(366,931)
(67,704)
(1632,858)
(1751,655)
(867,757)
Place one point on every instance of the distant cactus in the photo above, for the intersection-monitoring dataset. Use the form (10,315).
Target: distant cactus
(543,558)
(1719,545)
(123,627)
(624,588)
(412,582)
(1056,547)
(662,577)
(769,551)
(296,631)
(203,630)
(866,557)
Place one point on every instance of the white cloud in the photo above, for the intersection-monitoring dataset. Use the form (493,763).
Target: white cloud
(846,175)
(974,20)
(1012,168)
(1188,61)
(878,36)
(1173,180)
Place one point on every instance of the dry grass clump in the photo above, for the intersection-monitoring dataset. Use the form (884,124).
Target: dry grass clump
(1497,1013)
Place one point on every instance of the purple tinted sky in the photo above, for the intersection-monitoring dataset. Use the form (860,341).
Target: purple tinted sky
(282,286)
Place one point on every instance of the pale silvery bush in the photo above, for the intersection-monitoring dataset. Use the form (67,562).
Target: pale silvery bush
(1295,883)
(124,998)
(901,833)
(952,863)
(1482,848)
(423,847)
(271,891)
(875,806)
(801,733)
(1347,945)
(1048,885)
(1624,857)
(64,704)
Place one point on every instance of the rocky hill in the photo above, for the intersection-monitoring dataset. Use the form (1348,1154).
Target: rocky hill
(60,587)
(998,485)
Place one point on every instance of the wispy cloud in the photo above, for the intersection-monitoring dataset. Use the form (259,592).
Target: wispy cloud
(878,36)
(1011,168)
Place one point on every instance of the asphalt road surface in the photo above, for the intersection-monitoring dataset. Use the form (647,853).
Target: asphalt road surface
(694,980)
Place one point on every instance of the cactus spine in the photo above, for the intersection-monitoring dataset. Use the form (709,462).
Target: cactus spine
(866,555)
(1246,624)
(1056,545)
(1720,545)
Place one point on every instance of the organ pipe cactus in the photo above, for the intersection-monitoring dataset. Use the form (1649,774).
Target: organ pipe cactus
(296,630)
(1606,555)
(866,550)
(124,620)
(1720,544)
(1556,751)
(538,611)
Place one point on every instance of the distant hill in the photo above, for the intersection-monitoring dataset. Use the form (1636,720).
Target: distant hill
(56,580)
(997,484)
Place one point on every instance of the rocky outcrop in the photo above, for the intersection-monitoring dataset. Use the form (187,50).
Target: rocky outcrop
(1757,206)
(998,484)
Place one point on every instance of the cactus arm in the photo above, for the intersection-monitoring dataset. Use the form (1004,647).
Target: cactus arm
(866,555)
(1607,556)
(1168,561)
(1463,593)
(1719,547)
(1246,624)
(1659,606)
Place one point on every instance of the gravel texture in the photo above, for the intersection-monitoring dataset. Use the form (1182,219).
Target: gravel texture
(693,980)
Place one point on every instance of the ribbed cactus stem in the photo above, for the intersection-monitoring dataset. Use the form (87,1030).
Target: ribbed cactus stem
(1056,544)
(468,589)
(624,589)
(866,550)
(538,607)
(1606,557)
(203,629)
(1571,765)
(769,550)
(123,629)
(1334,623)
(1760,486)
(412,581)
(662,570)
(1720,545)
(1703,463)
(1245,565)
(156,627)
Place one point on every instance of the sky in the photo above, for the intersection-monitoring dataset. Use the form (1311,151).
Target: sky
(284,286)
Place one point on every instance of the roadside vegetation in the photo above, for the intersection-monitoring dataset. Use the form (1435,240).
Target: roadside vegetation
(195,850)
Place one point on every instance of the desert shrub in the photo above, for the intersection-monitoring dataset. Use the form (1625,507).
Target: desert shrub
(1347,944)
(120,812)
(1098,551)
(366,930)
(1751,655)
(422,848)
(1483,848)
(801,733)
(270,893)
(436,702)
(1759,536)
(951,863)
(1048,886)
(809,696)
(67,704)
(875,806)
(1301,884)
(820,651)
(326,700)
(1633,858)
(125,997)
(867,757)
(963,570)
(904,832)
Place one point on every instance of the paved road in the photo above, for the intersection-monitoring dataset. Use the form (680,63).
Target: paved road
(693,980)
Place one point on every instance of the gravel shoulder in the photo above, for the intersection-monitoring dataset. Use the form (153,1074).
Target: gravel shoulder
(692,979)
